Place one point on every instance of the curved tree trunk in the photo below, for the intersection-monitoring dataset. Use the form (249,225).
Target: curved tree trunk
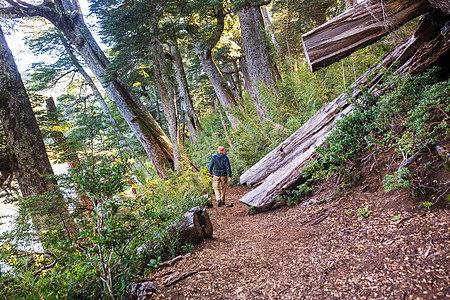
(203,48)
(66,16)
(260,64)
(224,93)
(190,117)
(24,138)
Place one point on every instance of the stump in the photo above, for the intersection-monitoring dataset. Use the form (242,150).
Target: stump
(195,227)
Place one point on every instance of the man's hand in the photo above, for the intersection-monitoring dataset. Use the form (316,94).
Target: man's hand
(229,179)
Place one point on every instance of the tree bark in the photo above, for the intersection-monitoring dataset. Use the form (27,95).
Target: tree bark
(260,64)
(223,91)
(268,23)
(31,164)
(66,16)
(167,94)
(203,47)
(280,169)
(190,117)
(357,28)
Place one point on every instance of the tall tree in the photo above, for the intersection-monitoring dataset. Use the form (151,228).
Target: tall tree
(190,117)
(261,66)
(31,164)
(66,16)
(52,41)
(140,21)
(204,40)
(167,93)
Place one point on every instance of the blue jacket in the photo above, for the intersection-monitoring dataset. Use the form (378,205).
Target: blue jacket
(221,165)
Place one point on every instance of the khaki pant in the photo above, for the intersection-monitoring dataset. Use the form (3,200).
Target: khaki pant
(220,184)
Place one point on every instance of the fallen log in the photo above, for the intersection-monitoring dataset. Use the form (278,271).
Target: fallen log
(280,169)
(357,28)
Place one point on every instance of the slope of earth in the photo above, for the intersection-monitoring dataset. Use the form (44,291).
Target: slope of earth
(321,251)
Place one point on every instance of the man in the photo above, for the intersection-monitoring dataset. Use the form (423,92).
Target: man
(220,168)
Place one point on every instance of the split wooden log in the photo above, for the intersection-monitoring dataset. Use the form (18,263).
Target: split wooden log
(357,28)
(280,169)
(195,226)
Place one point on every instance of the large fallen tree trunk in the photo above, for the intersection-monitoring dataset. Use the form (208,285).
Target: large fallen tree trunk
(357,28)
(280,169)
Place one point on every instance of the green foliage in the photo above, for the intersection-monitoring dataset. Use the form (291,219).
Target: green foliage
(120,241)
(301,95)
(400,179)
(101,177)
(294,196)
(428,204)
(411,112)
(364,212)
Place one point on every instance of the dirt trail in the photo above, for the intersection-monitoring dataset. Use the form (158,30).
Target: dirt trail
(279,255)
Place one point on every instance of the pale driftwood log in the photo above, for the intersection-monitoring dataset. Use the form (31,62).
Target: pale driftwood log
(279,170)
(195,226)
(298,146)
(356,28)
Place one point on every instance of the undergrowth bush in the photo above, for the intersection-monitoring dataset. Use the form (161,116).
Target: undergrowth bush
(121,240)
(410,113)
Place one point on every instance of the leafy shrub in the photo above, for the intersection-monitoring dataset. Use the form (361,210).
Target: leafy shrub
(400,179)
(409,114)
(120,241)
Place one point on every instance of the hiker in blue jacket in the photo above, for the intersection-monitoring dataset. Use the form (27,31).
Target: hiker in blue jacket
(220,169)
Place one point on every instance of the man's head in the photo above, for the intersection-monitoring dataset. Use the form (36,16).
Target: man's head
(221,149)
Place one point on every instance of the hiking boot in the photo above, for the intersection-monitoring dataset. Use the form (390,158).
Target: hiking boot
(219,203)
(230,205)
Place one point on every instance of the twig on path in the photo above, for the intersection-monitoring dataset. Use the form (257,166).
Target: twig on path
(177,276)
(173,260)
(322,215)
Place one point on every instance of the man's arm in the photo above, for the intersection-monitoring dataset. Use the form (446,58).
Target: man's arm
(211,166)
(228,169)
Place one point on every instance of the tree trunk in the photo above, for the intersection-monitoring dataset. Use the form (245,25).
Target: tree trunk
(260,64)
(356,28)
(237,79)
(66,16)
(268,23)
(97,94)
(203,47)
(190,117)
(167,94)
(195,227)
(32,166)
(228,75)
(223,91)
(244,70)
(280,169)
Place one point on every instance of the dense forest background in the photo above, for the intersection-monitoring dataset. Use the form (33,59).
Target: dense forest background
(138,119)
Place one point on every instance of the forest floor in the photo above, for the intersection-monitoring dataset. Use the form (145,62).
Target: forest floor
(321,251)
